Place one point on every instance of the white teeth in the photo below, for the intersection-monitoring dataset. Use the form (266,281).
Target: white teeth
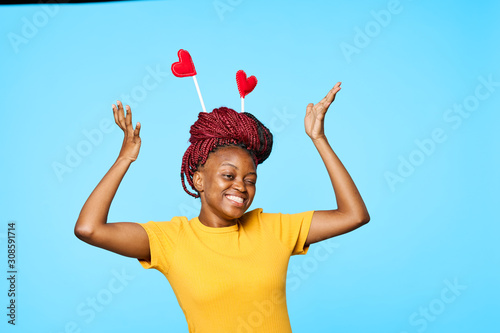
(234,198)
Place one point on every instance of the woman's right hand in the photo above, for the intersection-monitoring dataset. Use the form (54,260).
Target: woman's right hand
(131,141)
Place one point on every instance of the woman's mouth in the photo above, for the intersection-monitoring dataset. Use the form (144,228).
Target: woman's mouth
(238,201)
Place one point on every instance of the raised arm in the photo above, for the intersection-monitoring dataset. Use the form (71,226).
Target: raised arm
(351,212)
(125,238)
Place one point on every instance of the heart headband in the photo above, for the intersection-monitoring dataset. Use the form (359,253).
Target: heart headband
(185,67)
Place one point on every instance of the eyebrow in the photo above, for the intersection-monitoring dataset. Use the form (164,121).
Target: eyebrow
(234,166)
(227,163)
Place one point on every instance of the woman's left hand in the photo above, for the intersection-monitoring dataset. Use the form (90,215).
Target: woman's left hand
(315,114)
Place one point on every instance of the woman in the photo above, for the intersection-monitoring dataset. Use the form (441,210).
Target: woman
(227,266)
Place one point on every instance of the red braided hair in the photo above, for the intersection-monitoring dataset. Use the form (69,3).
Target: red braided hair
(219,128)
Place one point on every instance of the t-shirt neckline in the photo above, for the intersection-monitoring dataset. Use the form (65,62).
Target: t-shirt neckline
(216,230)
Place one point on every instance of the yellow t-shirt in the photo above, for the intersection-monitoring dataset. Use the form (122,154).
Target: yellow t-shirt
(230,279)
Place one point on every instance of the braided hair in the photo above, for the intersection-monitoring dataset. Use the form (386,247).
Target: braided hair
(219,128)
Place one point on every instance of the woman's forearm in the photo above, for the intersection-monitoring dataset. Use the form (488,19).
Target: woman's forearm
(95,210)
(348,199)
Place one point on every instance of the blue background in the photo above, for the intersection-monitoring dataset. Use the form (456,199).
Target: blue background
(434,226)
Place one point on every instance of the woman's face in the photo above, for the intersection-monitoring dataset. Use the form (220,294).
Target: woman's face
(226,184)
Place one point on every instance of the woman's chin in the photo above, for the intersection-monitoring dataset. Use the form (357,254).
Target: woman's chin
(235,213)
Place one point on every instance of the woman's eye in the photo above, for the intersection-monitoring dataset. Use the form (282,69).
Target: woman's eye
(228,176)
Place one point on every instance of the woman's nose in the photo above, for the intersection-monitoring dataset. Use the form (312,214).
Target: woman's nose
(239,185)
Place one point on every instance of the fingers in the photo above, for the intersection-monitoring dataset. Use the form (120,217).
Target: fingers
(121,117)
(331,94)
(325,103)
(137,129)
(115,114)
(309,108)
(123,121)
(118,114)
(128,120)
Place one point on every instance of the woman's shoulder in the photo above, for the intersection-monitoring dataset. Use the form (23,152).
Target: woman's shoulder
(175,222)
(255,211)
(258,213)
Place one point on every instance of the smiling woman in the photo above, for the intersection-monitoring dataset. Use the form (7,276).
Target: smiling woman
(222,127)
(227,266)
(226,184)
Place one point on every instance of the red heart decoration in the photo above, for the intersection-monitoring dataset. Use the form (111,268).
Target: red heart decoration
(184,67)
(245,86)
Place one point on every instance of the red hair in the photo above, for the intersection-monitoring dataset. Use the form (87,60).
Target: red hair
(219,128)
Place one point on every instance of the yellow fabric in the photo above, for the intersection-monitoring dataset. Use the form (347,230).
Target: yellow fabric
(230,279)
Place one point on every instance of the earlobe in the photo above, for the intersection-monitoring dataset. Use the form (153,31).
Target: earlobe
(198,181)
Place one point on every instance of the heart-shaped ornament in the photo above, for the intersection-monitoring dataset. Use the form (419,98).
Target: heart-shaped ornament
(245,85)
(185,66)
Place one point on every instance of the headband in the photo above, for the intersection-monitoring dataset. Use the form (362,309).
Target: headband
(185,67)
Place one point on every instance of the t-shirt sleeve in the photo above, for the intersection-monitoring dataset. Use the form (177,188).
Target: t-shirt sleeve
(162,239)
(292,230)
